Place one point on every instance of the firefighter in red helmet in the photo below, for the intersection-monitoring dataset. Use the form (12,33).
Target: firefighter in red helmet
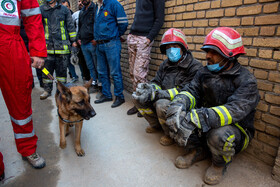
(16,75)
(151,99)
(214,114)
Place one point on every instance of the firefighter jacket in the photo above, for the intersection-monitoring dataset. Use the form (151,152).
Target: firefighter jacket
(229,98)
(59,28)
(172,76)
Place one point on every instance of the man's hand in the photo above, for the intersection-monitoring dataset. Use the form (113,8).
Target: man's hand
(144,93)
(79,42)
(93,42)
(37,62)
(74,44)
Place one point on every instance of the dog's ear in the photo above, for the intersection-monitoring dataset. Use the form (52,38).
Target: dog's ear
(64,91)
(88,84)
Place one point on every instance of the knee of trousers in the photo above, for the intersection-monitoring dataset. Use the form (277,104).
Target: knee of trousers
(222,142)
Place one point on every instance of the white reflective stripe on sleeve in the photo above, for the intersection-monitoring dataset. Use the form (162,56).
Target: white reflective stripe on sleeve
(10,21)
(121,18)
(27,135)
(30,12)
(21,122)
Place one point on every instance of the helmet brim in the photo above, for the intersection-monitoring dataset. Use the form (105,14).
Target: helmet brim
(207,47)
(163,47)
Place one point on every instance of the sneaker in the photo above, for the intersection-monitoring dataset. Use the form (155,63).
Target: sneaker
(74,79)
(35,160)
(45,95)
(132,111)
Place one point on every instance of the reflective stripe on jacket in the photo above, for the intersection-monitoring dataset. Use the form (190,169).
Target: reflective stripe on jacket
(229,97)
(30,13)
(59,28)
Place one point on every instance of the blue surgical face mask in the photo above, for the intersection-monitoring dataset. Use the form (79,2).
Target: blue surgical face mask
(214,67)
(173,54)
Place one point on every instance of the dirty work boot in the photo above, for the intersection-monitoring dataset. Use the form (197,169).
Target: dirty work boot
(139,115)
(2,177)
(166,140)
(195,155)
(151,129)
(214,174)
(45,95)
(35,160)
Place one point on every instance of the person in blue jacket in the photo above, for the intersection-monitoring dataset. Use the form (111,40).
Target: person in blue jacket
(110,24)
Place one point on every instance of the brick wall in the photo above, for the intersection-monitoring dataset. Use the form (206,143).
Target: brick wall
(258,21)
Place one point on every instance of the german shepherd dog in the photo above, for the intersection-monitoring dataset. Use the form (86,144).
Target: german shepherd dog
(73,106)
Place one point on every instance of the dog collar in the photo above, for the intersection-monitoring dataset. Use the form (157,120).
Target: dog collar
(67,121)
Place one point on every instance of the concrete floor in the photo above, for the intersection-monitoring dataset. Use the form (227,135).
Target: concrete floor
(118,153)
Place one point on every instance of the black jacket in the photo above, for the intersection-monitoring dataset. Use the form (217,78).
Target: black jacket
(85,25)
(172,75)
(59,28)
(229,97)
(148,19)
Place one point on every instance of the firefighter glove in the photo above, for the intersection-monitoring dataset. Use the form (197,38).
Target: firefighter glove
(74,56)
(144,93)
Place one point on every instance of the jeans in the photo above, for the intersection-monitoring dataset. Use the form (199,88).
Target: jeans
(72,71)
(108,59)
(89,52)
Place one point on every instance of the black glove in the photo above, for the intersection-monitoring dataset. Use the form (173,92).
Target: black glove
(144,93)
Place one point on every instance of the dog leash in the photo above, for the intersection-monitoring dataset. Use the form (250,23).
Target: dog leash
(46,72)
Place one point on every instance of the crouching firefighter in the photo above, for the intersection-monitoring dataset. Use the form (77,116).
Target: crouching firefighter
(152,99)
(215,112)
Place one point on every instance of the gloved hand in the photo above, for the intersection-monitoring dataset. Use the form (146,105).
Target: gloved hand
(144,93)
(176,112)
(162,94)
(74,56)
(185,129)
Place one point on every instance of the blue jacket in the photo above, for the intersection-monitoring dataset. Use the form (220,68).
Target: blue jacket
(111,21)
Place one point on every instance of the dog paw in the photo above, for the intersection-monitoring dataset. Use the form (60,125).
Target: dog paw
(80,152)
(62,145)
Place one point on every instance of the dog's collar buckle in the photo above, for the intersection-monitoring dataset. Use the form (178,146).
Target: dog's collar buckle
(67,121)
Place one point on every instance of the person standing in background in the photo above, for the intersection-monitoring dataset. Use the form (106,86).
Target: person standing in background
(110,24)
(148,20)
(60,34)
(82,63)
(86,40)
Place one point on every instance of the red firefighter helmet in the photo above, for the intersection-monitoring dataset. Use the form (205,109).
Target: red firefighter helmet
(173,36)
(225,41)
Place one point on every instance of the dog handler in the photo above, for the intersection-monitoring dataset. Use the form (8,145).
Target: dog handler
(15,72)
